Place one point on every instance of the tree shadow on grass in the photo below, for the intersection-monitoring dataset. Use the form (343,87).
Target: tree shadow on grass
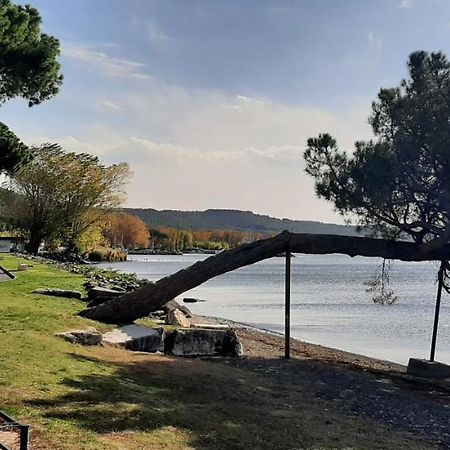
(221,407)
(216,409)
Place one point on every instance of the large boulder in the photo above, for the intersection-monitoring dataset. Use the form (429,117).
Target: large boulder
(203,342)
(90,336)
(177,318)
(136,337)
(58,293)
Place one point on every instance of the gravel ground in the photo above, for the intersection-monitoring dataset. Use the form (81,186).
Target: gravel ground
(363,386)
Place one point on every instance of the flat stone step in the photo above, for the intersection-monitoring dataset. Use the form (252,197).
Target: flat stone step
(136,337)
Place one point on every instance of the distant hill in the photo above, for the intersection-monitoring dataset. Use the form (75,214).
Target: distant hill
(230,219)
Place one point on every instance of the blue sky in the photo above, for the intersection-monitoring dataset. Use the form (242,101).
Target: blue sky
(211,102)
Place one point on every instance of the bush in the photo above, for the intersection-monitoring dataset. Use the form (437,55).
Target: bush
(107,254)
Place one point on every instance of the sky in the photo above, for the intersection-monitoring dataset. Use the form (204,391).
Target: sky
(211,102)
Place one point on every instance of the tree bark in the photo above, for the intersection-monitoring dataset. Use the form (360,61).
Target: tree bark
(148,298)
(33,244)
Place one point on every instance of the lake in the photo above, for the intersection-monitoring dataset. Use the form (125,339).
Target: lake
(330,305)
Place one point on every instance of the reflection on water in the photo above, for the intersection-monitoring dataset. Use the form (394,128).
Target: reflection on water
(330,305)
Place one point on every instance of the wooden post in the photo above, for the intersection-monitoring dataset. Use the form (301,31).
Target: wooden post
(437,309)
(287,307)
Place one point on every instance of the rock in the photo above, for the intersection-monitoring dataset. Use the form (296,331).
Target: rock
(177,318)
(58,293)
(90,336)
(173,304)
(136,337)
(202,342)
(231,345)
(192,300)
(185,311)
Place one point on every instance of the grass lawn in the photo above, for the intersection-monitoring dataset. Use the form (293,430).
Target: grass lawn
(104,398)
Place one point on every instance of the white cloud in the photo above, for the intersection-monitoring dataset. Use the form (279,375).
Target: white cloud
(374,41)
(405,4)
(107,65)
(196,149)
(138,150)
(107,105)
(156,36)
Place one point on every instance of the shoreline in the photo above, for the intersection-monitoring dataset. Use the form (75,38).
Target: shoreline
(267,345)
(271,343)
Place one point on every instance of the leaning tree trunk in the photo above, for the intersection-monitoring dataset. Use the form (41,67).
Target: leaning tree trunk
(148,298)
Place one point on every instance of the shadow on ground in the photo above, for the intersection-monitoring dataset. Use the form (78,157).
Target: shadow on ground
(256,406)
(403,403)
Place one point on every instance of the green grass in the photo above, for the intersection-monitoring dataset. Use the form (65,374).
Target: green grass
(32,359)
(104,398)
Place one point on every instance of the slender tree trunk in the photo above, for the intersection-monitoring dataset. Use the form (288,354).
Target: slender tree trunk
(148,298)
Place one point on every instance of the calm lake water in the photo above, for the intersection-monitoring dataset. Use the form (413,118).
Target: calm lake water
(330,305)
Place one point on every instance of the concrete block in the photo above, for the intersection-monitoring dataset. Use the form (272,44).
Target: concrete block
(427,369)
(203,342)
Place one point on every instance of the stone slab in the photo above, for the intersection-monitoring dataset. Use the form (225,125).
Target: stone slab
(136,337)
(89,336)
(427,369)
(58,293)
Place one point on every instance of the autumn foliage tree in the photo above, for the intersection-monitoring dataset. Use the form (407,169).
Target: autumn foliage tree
(59,195)
(173,239)
(126,230)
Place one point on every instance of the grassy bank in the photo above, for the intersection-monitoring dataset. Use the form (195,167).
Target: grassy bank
(103,398)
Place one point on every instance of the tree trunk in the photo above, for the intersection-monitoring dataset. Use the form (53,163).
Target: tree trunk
(33,244)
(148,298)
